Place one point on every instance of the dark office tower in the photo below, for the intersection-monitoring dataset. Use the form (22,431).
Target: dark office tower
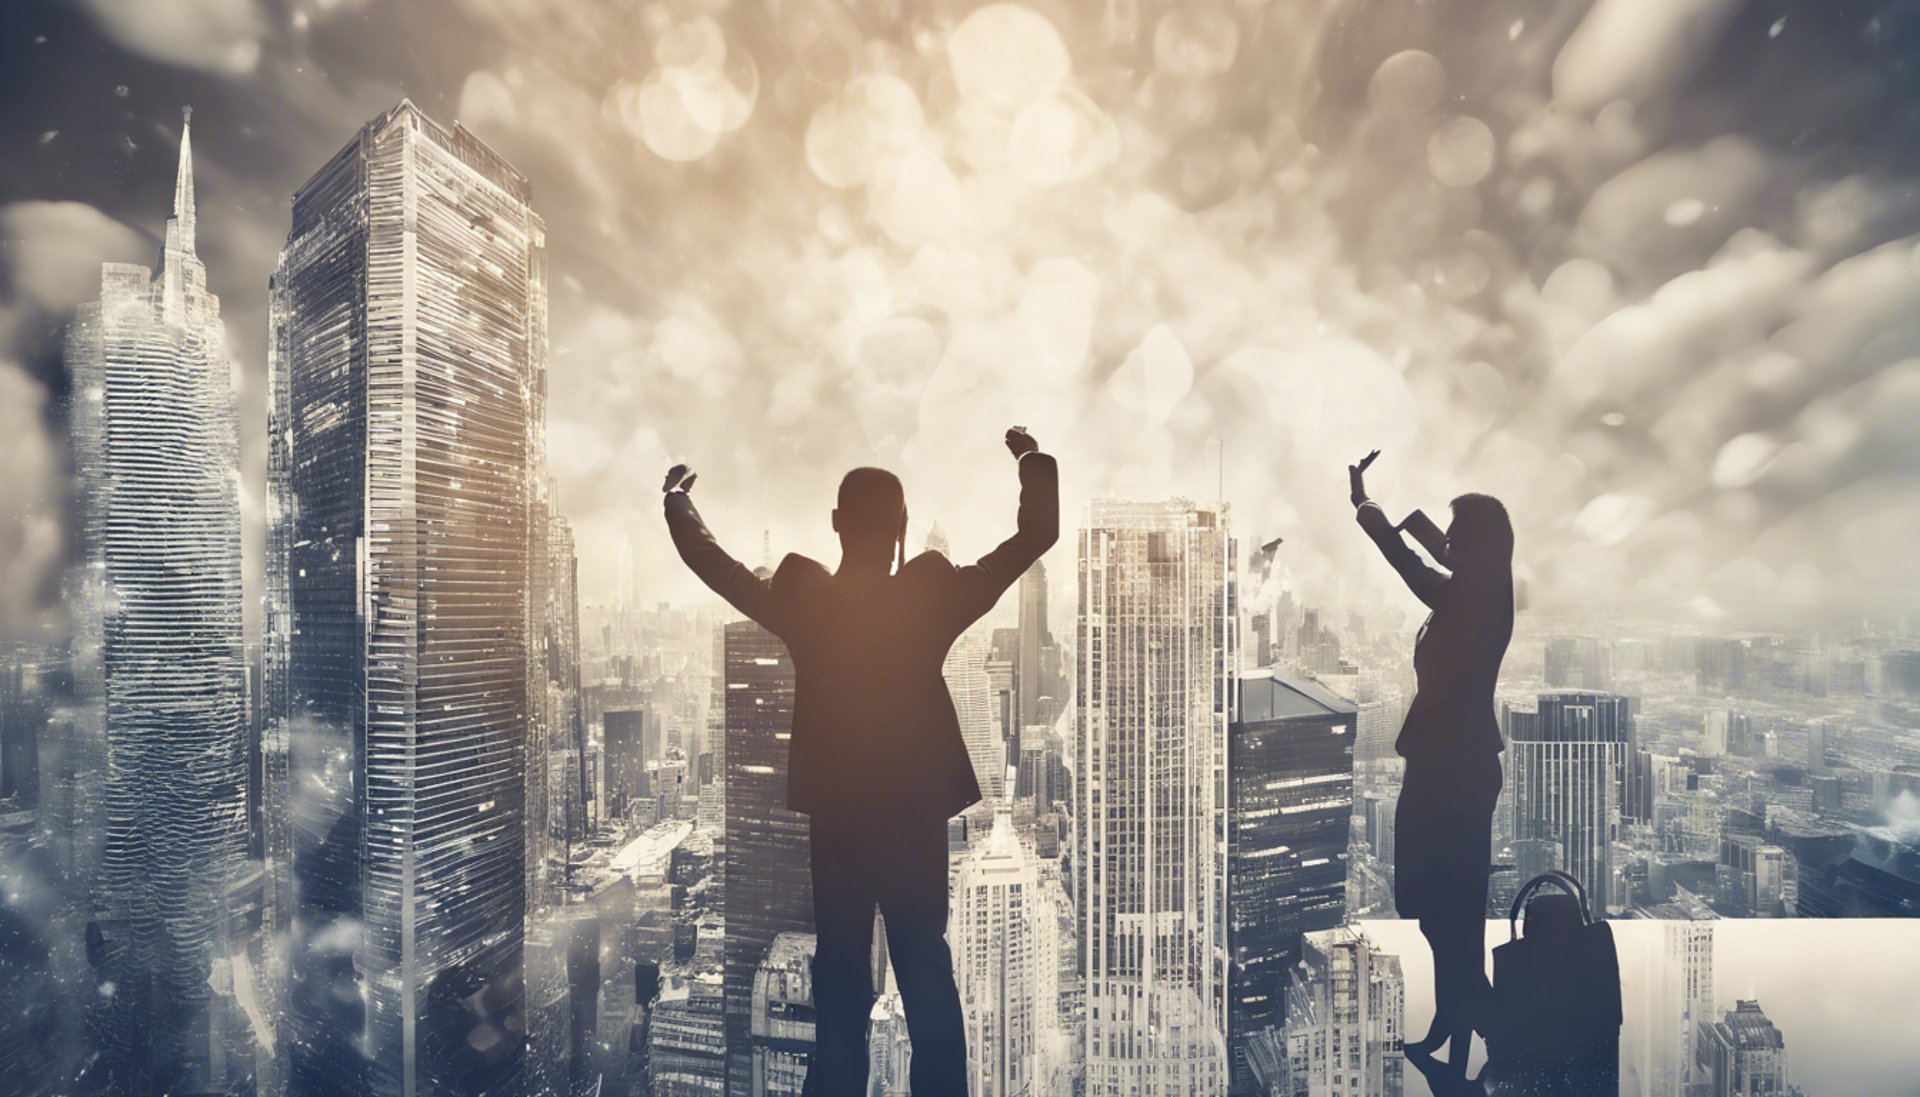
(1578,662)
(766,888)
(624,735)
(408,353)
(155,433)
(23,713)
(1289,810)
(1567,764)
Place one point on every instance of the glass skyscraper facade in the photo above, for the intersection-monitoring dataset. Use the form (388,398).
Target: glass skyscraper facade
(768,889)
(1566,764)
(408,360)
(1158,666)
(162,667)
(1289,814)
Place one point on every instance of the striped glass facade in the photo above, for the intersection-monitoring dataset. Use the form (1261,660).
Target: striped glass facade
(408,358)
(768,887)
(1564,765)
(156,447)
(1289,813)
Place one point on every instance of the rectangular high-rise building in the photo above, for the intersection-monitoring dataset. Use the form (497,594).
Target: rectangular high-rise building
(630,737)
(1566,763)
(965,670)
(767,888)
(1032,676)
(1680,1003)
(1346,1008)
(408,354)
(159,629)
(783,1017)
(1006,964)
(1289,813)
(1158,665)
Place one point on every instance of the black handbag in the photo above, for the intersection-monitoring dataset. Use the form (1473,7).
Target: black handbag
(1554,1022)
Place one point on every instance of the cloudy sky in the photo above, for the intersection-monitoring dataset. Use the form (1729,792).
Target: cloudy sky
(1647,269)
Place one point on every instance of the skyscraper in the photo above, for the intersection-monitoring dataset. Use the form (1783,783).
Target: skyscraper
(1346,1007)
(1681,990)
(156,443)
(1031,672)
(1743,1054)
(782,1028)
(1566,765)
(965,670)
(1005,958)
(557,733)
(1289,810)
(767,888)
(1157,671)
(408,353)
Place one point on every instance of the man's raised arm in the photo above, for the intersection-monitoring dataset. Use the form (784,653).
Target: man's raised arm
(979,585)
(727,577)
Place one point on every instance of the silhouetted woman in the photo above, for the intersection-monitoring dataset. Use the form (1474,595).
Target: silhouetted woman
(1443,829)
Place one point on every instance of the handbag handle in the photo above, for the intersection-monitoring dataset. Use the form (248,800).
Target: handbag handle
(1564,881)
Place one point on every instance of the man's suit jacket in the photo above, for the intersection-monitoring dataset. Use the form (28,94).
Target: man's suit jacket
(874,729)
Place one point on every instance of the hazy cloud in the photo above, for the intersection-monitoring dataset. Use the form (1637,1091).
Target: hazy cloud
(50,256)
(1564,252)
(222,36)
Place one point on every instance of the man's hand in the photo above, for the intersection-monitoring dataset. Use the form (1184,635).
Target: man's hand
(1356,478)
(1020,443)
(679,477)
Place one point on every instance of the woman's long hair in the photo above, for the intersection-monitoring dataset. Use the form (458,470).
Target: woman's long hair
(1480,547)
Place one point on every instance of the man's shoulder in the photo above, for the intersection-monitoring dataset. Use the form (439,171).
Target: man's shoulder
(796,569)
(928,564)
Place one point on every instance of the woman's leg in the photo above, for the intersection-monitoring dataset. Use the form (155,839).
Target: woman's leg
(1458,972)
(1455,921)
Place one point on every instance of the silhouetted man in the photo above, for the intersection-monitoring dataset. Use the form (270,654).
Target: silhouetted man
(876,757)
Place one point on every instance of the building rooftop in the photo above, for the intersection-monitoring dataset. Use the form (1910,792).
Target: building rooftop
(650,854)
(1267,695)
(1748,1029)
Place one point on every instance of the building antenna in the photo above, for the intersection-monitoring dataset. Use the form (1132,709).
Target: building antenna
(1220,469)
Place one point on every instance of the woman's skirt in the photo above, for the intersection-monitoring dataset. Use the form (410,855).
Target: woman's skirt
(1443,838)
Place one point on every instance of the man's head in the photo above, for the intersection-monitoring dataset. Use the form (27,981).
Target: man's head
(871,511)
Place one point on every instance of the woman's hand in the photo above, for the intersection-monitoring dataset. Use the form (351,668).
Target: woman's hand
(679,477)
(1020,443)
(1356,478)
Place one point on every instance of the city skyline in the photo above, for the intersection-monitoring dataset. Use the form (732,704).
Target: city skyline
(357,735)
(1174,561)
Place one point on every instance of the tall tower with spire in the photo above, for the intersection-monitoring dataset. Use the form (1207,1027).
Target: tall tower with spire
(161,652)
